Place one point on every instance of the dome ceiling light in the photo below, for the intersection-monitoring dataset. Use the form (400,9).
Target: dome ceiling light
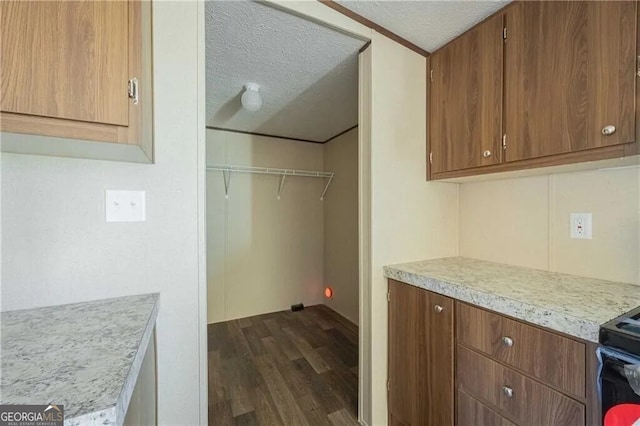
(251,98)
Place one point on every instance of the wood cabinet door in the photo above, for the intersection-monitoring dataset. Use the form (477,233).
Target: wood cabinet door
(569,72)
(466,100)
(440,371)
(407,361)
(421,359)
(66,59)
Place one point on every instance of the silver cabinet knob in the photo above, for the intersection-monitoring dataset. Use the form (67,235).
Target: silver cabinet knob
(486,154)
(507,341)
(438,308)
(508,392)
(608,130)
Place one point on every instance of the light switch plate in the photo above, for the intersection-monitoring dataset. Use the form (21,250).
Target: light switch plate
(125,206)
(581,226)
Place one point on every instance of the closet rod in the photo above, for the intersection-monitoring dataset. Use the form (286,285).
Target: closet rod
(227,168)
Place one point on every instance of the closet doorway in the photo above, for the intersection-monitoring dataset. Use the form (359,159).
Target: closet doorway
(282,218)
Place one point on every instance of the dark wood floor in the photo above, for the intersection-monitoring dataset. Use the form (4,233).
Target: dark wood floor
(286,368)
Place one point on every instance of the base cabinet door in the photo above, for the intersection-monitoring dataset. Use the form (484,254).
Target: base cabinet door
(440,358)
(420,357)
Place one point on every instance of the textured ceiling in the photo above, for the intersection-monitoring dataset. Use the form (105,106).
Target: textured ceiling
(427,24)
(308,73)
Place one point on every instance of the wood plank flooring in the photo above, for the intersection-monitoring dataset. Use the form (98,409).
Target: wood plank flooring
(285,368)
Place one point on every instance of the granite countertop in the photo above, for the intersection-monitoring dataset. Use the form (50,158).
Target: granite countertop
(569,304)
(85,356)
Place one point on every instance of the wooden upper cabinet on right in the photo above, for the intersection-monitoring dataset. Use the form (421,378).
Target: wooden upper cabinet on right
(466,100)
(560,88)
(570,73)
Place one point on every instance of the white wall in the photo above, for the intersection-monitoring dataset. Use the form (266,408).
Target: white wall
(525,221)
(341,225)
(57,248)
(411,219)
(264,254)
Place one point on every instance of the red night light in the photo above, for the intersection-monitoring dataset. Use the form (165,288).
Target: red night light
(328,292)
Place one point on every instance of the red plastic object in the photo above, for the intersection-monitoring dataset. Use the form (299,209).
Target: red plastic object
(622,415)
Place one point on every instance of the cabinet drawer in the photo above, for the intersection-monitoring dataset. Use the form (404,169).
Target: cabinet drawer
(473,413)
(549,357)
(517,397)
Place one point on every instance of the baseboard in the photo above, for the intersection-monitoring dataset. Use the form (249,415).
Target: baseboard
(233,318)
(339,314)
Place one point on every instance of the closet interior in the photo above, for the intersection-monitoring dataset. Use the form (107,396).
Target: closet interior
(282,217)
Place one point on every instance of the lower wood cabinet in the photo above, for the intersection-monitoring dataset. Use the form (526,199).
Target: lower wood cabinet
(421,344)
(523,400)
(472,413)
(450,362)
(524,347)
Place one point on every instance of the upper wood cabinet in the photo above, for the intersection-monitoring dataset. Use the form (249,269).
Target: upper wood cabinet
(565,75)
(466,100)
(421,344)
(77,70)
(570,72)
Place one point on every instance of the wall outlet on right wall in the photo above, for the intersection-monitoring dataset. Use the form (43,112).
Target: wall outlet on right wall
(580,225)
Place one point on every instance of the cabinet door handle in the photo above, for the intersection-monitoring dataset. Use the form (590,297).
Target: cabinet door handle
(132,90)
(438,308)
(608,130)
(486,154)
(507,341)
(508,392)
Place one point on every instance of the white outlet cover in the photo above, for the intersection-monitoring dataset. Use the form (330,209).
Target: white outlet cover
(125,206)
(581,226)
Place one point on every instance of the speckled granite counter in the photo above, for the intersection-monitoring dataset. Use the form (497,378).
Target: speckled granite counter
(85,356)
(570,304)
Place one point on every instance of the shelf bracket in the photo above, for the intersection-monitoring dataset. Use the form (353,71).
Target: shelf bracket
(325,188)
(226,174)
(281,185)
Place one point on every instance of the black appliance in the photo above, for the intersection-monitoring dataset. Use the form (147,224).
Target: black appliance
(619,355)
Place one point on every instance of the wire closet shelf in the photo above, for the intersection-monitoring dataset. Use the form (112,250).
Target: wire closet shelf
(227,169)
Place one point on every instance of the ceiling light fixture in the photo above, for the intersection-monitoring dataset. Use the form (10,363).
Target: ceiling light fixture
(251,99)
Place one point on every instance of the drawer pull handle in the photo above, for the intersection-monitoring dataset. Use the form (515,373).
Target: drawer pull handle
(507,341)
(608,130)
(486,154)
(508,392)
(438,309)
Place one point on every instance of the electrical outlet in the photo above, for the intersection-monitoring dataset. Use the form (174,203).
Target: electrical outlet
(581,226)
